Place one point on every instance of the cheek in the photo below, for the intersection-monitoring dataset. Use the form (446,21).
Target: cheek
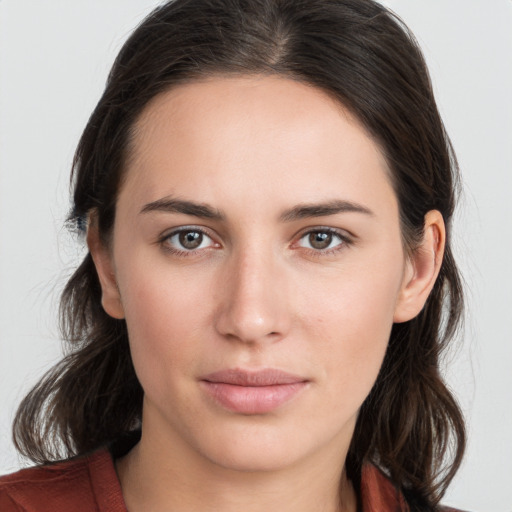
(163,314)
(351,325)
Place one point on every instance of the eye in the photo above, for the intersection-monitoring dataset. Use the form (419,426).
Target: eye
(187,240)
(322,240)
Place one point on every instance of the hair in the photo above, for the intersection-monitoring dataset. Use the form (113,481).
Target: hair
(360,53)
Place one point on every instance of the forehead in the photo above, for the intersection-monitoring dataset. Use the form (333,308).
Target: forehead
(235,101)
(234,134)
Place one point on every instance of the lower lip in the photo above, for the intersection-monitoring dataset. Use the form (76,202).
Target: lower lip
(252,399)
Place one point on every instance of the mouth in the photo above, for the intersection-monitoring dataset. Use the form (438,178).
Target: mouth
(252,392)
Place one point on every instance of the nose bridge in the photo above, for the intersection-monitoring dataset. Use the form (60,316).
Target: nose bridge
(253,305)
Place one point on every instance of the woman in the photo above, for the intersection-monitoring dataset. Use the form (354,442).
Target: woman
(266,191)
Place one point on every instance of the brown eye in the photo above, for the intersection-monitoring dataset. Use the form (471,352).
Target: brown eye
(323,240)
(320,240)
(190,239)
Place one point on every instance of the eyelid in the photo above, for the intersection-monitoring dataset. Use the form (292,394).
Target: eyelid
(347,239)
(166,235)
(342,233)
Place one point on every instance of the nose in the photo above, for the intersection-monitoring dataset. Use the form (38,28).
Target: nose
(253,305)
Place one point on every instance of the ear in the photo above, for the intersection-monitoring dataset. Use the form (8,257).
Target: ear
(422,269)
(102,257)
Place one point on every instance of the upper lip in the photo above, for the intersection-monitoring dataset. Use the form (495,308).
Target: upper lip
(240,377)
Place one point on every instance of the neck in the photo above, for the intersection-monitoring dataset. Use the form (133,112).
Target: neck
(164,476)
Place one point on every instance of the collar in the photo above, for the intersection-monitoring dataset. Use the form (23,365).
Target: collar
(378,494)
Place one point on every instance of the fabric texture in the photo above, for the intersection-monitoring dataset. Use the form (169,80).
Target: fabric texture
(85,484)
(90,484)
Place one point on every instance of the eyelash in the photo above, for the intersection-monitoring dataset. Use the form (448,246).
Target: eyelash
(345,241)
(164,241)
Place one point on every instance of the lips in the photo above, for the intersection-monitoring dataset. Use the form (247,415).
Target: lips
(252,392)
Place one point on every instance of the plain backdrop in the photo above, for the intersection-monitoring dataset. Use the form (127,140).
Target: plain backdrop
(54,59)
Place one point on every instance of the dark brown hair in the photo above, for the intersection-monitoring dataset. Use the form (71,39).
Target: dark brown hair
(359,53)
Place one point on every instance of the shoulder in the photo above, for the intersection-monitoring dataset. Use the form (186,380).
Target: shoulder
(60,486)
(87,483)
(378,493)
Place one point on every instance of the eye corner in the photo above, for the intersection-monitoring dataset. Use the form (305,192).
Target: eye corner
(326,236)
(172,241)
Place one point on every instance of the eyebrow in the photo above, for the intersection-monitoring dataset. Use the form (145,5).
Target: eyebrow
(301,211)
(172,205)
(304,211)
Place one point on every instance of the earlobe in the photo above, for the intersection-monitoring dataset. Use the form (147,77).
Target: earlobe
(422,269)
(101,255)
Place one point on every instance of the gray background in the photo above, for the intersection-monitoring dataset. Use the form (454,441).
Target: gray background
(54,58)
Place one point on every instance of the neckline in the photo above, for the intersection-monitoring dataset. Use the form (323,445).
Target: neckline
(376,491)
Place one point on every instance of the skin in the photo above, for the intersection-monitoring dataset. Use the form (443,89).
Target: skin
(256,294)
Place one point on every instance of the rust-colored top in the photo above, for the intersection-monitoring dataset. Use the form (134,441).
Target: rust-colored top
(90,484)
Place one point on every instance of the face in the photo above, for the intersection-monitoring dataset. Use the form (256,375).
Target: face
(257,259)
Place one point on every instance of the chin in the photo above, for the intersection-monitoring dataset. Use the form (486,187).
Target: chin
(254,457)
(263,446)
